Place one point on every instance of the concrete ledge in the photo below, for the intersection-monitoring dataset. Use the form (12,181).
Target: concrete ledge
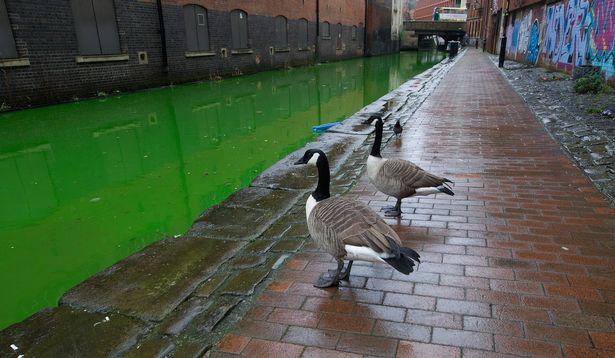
(15,62)
(200,54)
(286,49)
(244,51)
(102,58)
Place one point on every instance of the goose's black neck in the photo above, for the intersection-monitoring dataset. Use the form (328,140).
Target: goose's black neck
(322,189)
(377,141)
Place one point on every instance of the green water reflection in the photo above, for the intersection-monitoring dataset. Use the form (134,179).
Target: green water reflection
(85,184)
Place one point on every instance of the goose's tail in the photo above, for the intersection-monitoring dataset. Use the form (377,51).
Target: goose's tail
(404,261)
(445,189)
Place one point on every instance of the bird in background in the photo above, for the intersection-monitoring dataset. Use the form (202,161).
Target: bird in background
(397,129)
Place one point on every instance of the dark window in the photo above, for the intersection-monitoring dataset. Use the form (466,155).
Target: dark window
(303,33)
(325,30)
(360,34)
(197,34)
(354,33)
(96,27)
(7,42)
(339,36)
(239,29)
(281,32)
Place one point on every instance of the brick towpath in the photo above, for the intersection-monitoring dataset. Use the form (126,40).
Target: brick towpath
(521,261)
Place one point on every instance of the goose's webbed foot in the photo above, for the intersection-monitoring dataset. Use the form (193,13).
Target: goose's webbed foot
(325,280)
(330,280)
(394,211)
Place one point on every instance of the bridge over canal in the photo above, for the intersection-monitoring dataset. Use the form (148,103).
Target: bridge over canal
(415,31)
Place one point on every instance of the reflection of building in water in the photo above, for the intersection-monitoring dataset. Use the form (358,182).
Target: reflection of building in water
(110,45)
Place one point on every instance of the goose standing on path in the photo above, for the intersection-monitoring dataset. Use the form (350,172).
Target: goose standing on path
(349,230)
(397,129)
(399,178)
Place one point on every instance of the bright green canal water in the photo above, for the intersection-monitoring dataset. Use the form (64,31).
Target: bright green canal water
(86,184)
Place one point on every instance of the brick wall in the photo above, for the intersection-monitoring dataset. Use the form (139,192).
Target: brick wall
(424,8)
(45,34)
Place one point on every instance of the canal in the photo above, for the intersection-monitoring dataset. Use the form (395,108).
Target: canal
(86,184)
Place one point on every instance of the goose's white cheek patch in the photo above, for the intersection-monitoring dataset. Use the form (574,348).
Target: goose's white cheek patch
(314,159)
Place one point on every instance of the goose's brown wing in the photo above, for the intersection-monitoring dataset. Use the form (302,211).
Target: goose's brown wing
(349,222)
(410,176)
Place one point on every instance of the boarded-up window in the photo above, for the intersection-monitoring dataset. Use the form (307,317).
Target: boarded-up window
(354,33)
(281,32)
(325,30)
(303,33)
(360,34)
(96,27)
(7,42)
(239,29)
(197,33)
(339,36)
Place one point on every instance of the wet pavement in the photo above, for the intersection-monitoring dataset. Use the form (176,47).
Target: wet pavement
(577,121)
(520,262)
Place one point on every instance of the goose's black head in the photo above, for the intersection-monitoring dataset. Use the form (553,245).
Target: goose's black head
(377,121)
(311,156)
(318,158)
(372,118)
(378,138)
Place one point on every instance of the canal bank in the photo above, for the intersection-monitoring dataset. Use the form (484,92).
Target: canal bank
(179,293)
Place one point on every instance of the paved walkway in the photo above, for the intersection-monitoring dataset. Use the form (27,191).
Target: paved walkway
(521,261)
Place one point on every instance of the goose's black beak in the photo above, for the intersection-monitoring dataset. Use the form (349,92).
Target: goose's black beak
(300,161)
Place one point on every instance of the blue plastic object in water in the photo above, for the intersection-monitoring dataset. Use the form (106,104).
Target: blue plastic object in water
(324,127)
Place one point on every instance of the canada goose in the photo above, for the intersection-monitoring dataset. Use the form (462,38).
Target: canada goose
(371,119)
(399,178)
(349,230)
(397,129)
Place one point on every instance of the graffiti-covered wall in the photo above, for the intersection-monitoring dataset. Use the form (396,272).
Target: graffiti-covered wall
(565,34)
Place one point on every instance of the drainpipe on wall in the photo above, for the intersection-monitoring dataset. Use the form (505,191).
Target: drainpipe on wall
(365,30)
(316,47)
(163,37)
(503,32)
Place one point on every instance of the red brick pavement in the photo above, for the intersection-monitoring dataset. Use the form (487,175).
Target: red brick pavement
(519,262)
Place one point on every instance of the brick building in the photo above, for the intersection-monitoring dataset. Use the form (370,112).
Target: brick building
(424,9)
(478,17)
(57,50)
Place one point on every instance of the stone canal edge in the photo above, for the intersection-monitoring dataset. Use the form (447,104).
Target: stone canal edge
(178,296)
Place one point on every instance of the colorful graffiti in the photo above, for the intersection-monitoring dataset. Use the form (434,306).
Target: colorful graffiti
(533,44)
(565,34)
(601,29)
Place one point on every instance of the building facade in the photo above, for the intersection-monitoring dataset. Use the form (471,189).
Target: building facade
(561,35)
(478,15)
(59,50)
(424,10)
